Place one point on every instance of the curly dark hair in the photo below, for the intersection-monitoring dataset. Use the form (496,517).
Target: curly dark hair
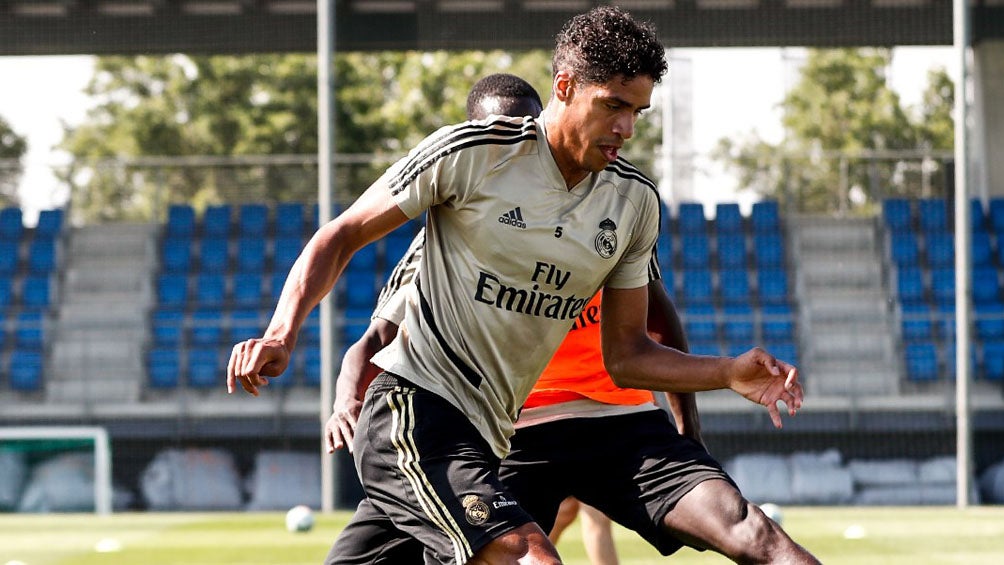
(605,42)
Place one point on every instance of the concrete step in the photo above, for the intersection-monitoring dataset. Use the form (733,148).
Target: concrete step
(99,353)
(112,240)
(117,309)
(850,378)
(836,274)
(94,388)
(841,309)
(106,277)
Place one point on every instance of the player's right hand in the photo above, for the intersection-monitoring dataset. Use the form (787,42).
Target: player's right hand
(252,361)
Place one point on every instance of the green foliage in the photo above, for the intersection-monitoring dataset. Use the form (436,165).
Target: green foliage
(849,140)
(12,149)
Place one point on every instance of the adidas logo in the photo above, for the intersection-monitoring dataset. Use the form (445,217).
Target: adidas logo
(513,218)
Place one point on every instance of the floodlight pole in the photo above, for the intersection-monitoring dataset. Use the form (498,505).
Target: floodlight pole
(325,191)
(963,272)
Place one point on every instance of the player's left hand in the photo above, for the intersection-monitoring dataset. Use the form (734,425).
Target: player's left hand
(339,430)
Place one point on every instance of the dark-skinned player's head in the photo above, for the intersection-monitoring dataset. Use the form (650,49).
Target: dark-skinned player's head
(606,42)
(502,94)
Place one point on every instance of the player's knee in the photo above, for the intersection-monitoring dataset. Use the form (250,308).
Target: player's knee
(525,544)
(761,540)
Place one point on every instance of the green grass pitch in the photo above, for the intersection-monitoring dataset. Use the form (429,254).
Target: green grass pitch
(907,536)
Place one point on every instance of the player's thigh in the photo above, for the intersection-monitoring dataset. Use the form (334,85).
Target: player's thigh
(534,473)
(425,466)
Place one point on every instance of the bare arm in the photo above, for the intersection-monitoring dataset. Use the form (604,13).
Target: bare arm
(634,360)
(665,327)
(354,377)
(312,276)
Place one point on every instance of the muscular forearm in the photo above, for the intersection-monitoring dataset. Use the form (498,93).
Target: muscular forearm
(357,372)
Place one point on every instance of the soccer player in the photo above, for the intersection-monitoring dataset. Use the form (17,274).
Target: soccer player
(526,220)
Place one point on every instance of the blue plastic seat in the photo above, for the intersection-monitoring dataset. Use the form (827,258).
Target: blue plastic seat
(988,320)
(289,219)
(700,323)
(36,292)
(664,248)
(207,327)
(250,254)
(172,290)
(697,286)
(910,287)
(29,331)
(705,347)
(9,256)
(252,220)
(734,286)
(995,215)
(943,285)
(917,322)
(11,224)
(285,251)
(940,250)
(180,221)
(921,361)
(167,327)
(176,255)
(977,215)
(205,367)
(932,215)
(982,252)
(42,255)
(985,285)
(25,370)
(246,324)
(248,289)
(777,322)
(904,249)
(728,218)
(311,371)
(768,251)
(731,251)
(772,286)
(310,332)
(214,255)
(216,221)
(786,351)
(6,293)
(210,289)
(163,367)
(951,366)
(50,223)
(359,289)
(276,282)
(993,361)
(765,217)
(897,215)
(737,325)
(695,251)
(690,218)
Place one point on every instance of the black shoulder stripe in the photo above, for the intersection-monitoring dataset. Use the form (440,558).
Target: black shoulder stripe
(470,374)
(623,168)
(404,180)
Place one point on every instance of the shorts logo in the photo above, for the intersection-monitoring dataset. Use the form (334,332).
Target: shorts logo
(475,511)
(606,240)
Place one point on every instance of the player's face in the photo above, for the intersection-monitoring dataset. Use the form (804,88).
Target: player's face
(601,117)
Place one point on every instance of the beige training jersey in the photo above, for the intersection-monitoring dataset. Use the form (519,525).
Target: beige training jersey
(511,257)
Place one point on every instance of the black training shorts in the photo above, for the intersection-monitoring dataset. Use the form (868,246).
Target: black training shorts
(632,467)
(428,475)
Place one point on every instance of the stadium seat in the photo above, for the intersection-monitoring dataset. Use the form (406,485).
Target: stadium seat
(216,221)
(768,251)
(988,320)
(205,367)
(777,322)
(921,361)
(985,285)
(734,286)
(932,215)
(206,327)
(951,365)
(765,217)
(916,322)
(700,323)
(50,223)
(36,292)
(731,251)
(310,332)
(695,251)
(246,324)
(897,215)
(982,253)
(276,281)
(995,215)
(10,252)
(940,250)
(784,350)
(977,216)
(176,255)
(289,219)
(904,249)
(910,287)
(311,371)
(358,289)
(706,347)
(180,221)
(172,290)
(690,218)
(728,218)
(163,366)
(250,254)
(943,285)
(364,260)
(993,361)
(210,289)
(664,248)
(11,224)
(252,220)
(29,330)
(6,293)
(772,286)
(737,325)
(42,255)
(25,370)
(214,255)
(285,251)
(167,327)
(248,289)
(697,286)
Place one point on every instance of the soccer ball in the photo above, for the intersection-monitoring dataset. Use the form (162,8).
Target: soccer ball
(299,519)
(773,511)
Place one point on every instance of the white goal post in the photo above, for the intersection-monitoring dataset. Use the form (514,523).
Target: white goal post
(102,453)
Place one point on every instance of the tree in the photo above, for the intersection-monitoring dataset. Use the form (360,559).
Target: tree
(849,140)
(225,106)
(12,149)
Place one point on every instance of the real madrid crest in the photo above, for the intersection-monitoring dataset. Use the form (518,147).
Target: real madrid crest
(606,240)
(475,510)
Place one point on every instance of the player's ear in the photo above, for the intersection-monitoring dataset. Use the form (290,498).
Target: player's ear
(563,85)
